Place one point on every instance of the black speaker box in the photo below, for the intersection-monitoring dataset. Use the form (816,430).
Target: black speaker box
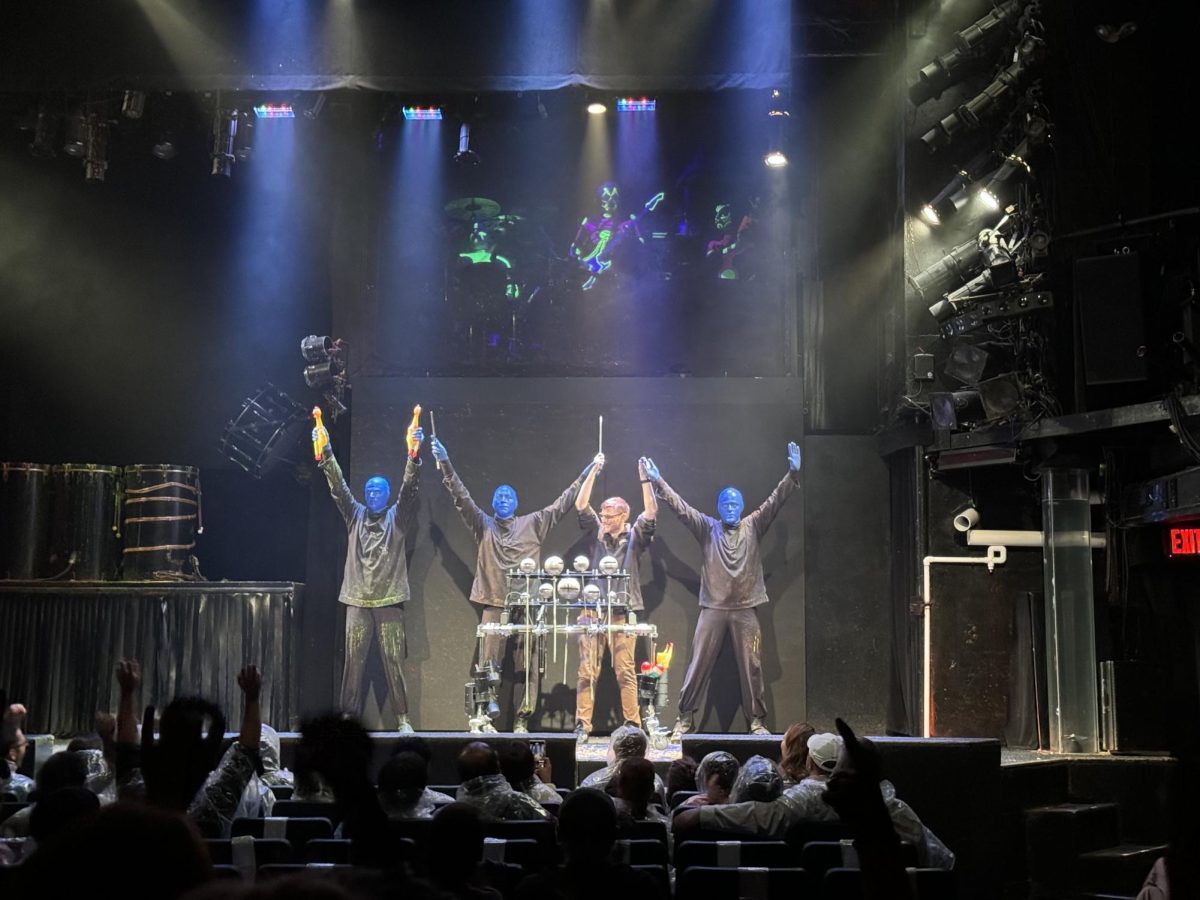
(1112,326)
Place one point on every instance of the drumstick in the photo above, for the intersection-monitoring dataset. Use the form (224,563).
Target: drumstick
(600,448)
(432,424)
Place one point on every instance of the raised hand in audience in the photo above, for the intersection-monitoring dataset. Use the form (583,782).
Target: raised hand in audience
(250,681)
(129,677)
(853,791)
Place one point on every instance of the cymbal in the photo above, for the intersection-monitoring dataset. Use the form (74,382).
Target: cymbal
(471,209)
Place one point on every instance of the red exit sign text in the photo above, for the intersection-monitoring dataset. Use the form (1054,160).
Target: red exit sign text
(1183,541)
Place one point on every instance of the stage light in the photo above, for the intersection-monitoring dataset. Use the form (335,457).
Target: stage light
(955,267)
(42,145)
(73,144)
(950,67)
(133,104)
(465,155)
(633,104)
(316,348)
(315,110)
(953,197)
(422,113)
(275,111)
(951,410)
(321,374)
(95,159)
(775,160)
(164,148)
(224,133)
(1000,186)
(597,109)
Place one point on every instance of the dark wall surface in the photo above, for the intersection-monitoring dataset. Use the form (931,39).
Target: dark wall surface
(538,434)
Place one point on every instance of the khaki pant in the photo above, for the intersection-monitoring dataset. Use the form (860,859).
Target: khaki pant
(591,655)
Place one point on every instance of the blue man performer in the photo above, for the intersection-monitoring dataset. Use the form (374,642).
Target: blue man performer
(731,586)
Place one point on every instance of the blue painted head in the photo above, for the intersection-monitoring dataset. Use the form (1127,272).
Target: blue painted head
(730,505)
(504,501)
(377,493)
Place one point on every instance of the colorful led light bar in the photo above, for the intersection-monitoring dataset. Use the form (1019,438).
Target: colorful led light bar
(634,104)
(275,111)
(422,113)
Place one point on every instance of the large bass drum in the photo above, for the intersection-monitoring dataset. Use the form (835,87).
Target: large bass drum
(85,540)
(162,516)
(24,520)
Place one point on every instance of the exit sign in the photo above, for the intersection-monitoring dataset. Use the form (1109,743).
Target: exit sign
(1183,542)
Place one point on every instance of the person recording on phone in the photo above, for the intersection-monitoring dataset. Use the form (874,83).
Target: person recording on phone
(527,770)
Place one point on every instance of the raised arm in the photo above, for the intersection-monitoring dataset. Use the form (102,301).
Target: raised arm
(649,501)
(473,517)
(584,497)
(765,514)
(338,488)
(695,521)
(215,804)
(549,516)
(408,487)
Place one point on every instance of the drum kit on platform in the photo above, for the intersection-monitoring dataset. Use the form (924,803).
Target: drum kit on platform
(88,522)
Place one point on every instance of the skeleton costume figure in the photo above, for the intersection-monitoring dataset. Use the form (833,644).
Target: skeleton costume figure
(504,539)
(730,244)
(375,581)
(612,535)
(599,237)
(731,586)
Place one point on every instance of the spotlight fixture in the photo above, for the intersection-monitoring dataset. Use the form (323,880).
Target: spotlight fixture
(954,196)
(326,370)
(422,113)
(465,155)
(95,158)
(775,159)
(76,137)
(596,108)
(315,110)
(1028,54)
(999,187)
(633,104)
(950,67)
(275,111)
(164,147)
(42,145)
(224,133)
(133,104)
(955,267)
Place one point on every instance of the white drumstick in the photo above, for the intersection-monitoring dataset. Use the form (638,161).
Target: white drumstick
(600,448)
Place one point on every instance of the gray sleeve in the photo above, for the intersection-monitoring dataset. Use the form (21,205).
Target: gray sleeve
(765,514)
(473,517)
(695,521)
(338,488)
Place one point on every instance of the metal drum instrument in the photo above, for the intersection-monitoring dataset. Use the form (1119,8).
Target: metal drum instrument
(86,533)
(162,516)
(24,520)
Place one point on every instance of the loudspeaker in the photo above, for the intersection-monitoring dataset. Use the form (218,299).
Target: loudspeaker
(1112,326)
(949,411)
(1000,395)
(966,362)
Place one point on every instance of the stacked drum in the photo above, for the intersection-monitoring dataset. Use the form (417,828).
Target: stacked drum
(66,522)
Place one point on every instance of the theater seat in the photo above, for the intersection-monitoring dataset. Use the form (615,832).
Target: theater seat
(927,884)
(640,853)
(278,871)
(705,883)
(735,854)
(297,831)
(306,809)
(523,852)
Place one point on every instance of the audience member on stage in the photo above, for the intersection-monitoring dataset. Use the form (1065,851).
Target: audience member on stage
(403,790)
(758,780)
(456,853)
(504,539)
(12,746)
(715,777)
(634,791)
(587,831)
(61,771)
(627,742)
(793,753)
(611,535)
(681,776)
(484,786)
(524,774)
